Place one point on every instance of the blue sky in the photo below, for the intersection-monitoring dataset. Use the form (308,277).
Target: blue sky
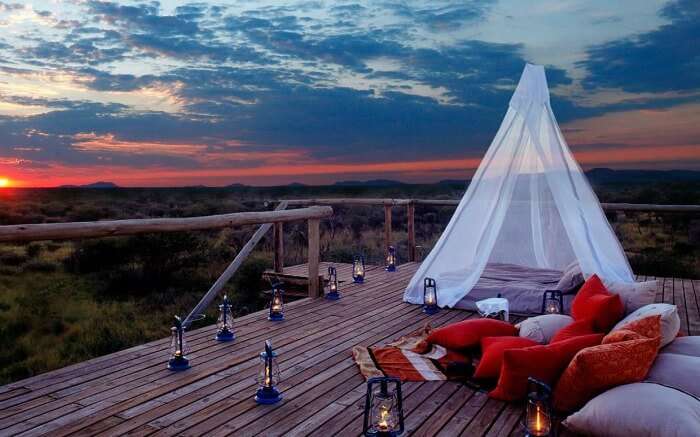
(180,93)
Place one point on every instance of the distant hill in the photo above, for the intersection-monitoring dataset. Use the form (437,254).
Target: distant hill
(608,175)
(454,182)
(297,184)
(370,183)
(100,184)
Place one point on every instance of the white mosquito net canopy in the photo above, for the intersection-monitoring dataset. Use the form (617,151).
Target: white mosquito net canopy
(528,204)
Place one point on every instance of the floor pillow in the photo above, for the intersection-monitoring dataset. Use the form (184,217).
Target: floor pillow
(492,349)
(468,333)
(634,295)
(594,302)
(596,369)
(648,327)
(542,328)
(572,279)
(639,410)
(670,322)
(578,328)
(684,346)
(677,371)
(543,362)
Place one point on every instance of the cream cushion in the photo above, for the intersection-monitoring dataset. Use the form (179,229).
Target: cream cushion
(677,371)
(684,345)
(670,322)
(638,410)
(634,295)
(542,328)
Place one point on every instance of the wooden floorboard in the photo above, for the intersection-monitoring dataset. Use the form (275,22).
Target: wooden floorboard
(131,393)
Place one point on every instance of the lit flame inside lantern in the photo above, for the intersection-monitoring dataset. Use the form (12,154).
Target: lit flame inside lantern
(277,304)
(359,269)
(383,423)
(552,307)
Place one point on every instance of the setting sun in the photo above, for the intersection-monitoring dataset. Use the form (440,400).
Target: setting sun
(4,182)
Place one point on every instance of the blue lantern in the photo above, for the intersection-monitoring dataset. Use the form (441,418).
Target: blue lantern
(538,409)
(383,408)
(391,259)
(333,293)
(225,322)
(358,269)
(269,377)
(277,303)
(430,305)
(178,347)
(552,302)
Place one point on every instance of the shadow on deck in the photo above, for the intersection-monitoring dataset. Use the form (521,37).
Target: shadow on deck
(131,392)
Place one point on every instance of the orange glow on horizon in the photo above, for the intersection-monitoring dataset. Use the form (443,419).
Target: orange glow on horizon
(4,182)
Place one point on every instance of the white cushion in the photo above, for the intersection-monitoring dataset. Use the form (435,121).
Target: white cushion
(542,328)
(684,346)
(670,322)
(571,279)
(637,410)
(678,371)
(633,294)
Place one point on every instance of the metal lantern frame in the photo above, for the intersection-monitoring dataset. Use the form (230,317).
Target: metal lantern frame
(225,322)
(538,409)
(276,303)
(430,304)
(333,293)
(178,347)
(391,259)
(368,428)
(358,269)
(554,297)
(267,392)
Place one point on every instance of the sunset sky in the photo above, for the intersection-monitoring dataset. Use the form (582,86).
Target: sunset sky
(177,93)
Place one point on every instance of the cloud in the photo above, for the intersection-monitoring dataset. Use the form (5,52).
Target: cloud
(665,59)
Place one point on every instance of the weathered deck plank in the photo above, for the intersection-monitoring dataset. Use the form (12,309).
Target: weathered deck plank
(131,392)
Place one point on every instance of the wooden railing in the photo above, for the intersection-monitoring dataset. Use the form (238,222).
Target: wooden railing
(410,204)
(267,219)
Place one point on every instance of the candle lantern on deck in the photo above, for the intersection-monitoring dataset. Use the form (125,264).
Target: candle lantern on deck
(552,302)
(277,303)
(358,269)
(333,293)
(538,409)
(178,347)
(383,408)
(391,259)
(430,305)
(225,322)
(268,378)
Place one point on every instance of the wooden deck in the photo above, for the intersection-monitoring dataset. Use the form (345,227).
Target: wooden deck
(131,392)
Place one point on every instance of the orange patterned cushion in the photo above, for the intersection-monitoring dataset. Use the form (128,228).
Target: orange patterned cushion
(649,327)
(622,335)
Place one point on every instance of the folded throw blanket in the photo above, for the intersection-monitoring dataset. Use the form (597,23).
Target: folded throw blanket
(411,358)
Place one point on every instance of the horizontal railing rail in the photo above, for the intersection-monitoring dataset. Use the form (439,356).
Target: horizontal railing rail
(410,205)
(109,228)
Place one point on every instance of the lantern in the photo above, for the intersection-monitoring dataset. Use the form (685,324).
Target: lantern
(538,410)
(358,269)
(332,284)
(552,302)
(383,408)
(277,303)
(430,305)
(269,377)
(178,347)
(391,259)
(225,322)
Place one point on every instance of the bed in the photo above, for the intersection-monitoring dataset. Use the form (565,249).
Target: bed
(522,286)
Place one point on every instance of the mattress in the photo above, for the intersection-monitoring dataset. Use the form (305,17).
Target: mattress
(522,286)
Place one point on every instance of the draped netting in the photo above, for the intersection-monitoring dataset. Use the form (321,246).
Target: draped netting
(529,203)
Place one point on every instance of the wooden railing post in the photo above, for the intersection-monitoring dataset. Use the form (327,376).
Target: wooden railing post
(411,229)
(387,226)
(278,243)
(314,243)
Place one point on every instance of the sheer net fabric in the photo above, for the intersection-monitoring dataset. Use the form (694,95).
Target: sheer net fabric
(529,203)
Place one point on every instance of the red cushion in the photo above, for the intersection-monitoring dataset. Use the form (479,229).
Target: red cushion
(575,329)
(492,354)
(593,301)
(544,362)
(468,333)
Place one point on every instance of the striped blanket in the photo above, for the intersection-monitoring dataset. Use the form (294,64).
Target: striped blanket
(411,358)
